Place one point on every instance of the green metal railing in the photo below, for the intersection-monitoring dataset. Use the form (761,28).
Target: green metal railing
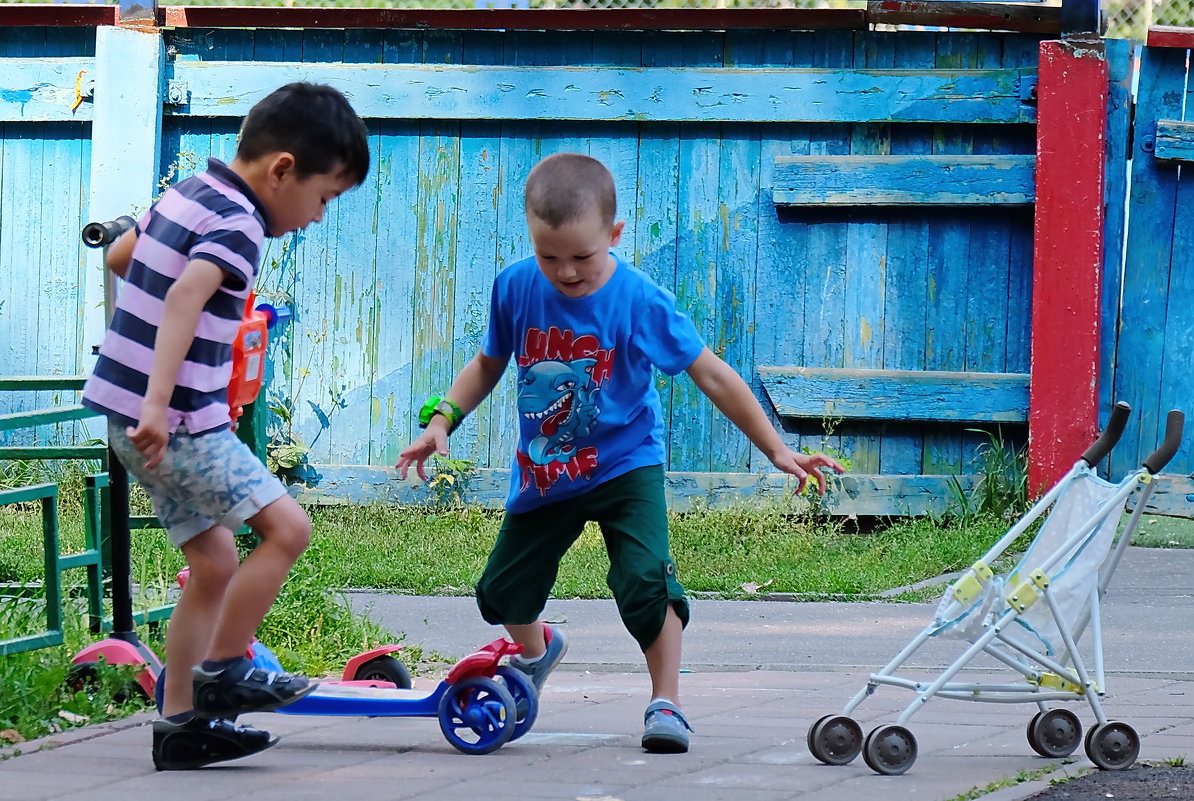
(96,556)
(91,558)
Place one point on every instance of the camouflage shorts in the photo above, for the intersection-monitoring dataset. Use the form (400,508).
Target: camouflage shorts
(204,481)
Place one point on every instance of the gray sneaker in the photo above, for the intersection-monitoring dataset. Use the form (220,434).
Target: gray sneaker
(665,731)
(538,671)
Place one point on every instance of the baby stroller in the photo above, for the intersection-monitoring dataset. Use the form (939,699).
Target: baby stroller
(1030,619)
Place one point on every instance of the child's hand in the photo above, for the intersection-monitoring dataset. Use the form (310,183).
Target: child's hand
(433,440)
(150,437)
(804,465)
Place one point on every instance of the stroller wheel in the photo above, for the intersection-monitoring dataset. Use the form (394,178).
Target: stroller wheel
(835,740)
(1054,733)
(889,750)
(1113,746)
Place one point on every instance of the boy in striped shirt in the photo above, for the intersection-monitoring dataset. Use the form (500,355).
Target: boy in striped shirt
(162,380)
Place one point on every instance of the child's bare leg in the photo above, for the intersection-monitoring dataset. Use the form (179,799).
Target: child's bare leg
(285,531)
(211,559)
(663,659)
(530,636)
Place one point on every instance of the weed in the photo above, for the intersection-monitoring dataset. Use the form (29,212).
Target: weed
(1020,778)
(451,481)
(1175,762)
(1002,486)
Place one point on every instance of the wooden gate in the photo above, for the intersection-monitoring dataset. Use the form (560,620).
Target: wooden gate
(1149,357)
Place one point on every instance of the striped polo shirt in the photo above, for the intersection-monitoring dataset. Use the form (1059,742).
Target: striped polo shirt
(213,216)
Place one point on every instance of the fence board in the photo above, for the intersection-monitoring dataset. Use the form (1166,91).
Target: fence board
(1139,361)
(689,94)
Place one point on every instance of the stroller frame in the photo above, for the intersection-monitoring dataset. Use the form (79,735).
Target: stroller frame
(891,749)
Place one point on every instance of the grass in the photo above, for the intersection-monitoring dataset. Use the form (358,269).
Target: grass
(732,552)
(310,626)
(37,698)
(1020,778)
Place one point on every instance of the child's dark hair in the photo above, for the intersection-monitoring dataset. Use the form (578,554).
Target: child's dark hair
(314,123)
(563,187)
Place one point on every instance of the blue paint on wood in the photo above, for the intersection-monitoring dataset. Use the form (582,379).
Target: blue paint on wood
(856,394)
(656,197)
(903,180)
(1139,365)
(789,286)
(1120,66)
(697,252)
(450,91)
(1175,140)
(45,89)
(851,494)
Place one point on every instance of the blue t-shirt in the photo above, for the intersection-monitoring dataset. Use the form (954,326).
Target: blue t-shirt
(588,410)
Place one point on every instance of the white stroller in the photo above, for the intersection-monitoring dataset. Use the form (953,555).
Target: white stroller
(1030,619)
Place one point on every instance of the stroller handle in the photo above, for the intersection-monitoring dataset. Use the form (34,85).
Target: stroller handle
(1157,460)
(1106,441)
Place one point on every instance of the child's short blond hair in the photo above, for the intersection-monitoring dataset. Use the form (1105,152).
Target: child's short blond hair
(564,187)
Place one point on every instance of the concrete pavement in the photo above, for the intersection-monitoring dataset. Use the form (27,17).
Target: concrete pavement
(759,673)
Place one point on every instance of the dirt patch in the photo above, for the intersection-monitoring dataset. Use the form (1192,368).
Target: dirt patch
(1142,782)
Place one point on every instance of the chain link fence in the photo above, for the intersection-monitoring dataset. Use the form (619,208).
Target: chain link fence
(1130,19)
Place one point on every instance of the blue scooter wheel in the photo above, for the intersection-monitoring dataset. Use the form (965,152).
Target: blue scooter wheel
(477,715)
(526,699)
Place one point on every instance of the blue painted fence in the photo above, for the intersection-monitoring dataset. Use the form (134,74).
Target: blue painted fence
(720,143)
(1147,352)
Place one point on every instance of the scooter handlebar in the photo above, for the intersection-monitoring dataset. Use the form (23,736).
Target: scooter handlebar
(1106,441)
(1156,461)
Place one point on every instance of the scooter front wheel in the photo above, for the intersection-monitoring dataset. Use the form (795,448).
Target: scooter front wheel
(477,715)
(526,699)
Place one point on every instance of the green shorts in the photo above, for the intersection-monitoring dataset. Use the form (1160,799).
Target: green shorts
(632,514)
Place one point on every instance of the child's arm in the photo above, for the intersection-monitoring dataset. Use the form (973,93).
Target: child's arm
(180,317)
(120,252)
(475,382)
(733,397)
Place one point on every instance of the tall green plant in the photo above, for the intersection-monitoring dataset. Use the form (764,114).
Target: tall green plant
(1001,490)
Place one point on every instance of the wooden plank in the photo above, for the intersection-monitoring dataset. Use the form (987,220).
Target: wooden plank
(656,200)
(1121,65)
(125,145)
(851,494)
(698,249)
(1150,253)
(984,180)
(45,89)
(693,94)
(515,19)
(1175,140)
(1173,495)
(988,258)
(738,230)
(57,15)
(1171,36)
(824,299)
(1068,256)
(897,394)
(520,148)
(865,282)
(1037,18)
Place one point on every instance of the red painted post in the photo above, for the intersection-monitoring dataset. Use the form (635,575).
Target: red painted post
(1067,256)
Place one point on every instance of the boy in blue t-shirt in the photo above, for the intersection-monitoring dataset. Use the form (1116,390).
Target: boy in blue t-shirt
(587,330)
